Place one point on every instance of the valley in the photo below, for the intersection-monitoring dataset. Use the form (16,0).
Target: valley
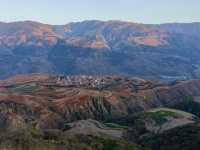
(96,112)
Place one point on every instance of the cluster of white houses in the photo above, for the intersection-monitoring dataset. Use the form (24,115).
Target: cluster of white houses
(81,80)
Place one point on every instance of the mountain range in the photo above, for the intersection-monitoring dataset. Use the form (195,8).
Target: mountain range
(165,51)
(99,85)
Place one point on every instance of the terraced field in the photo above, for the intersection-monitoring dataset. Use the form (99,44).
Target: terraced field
(115,111)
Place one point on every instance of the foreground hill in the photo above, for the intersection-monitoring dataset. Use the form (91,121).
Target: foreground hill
(96,112)
(168,51)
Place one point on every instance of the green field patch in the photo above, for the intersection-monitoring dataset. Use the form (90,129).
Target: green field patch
(23,88)
(160,117)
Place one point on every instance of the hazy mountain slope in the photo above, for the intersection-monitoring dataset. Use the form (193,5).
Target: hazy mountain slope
(150,51)
(191,29)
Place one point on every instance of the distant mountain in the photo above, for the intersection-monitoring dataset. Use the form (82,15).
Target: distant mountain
(167,51)
(191,29)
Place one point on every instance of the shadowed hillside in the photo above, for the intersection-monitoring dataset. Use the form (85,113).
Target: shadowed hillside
(168,51)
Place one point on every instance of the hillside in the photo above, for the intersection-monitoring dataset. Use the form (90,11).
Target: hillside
(94,112)
(168,51)
(51,101)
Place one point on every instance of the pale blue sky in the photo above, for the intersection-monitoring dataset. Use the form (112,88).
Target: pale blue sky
(64,11)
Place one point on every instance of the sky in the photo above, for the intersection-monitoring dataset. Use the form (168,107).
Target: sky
(65,11)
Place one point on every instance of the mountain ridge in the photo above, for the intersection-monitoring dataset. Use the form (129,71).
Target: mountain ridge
(91,20)
(87,47)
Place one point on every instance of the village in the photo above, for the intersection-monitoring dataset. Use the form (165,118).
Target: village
(82,80)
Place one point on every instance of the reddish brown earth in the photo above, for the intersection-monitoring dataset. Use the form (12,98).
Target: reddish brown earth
(45,103)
